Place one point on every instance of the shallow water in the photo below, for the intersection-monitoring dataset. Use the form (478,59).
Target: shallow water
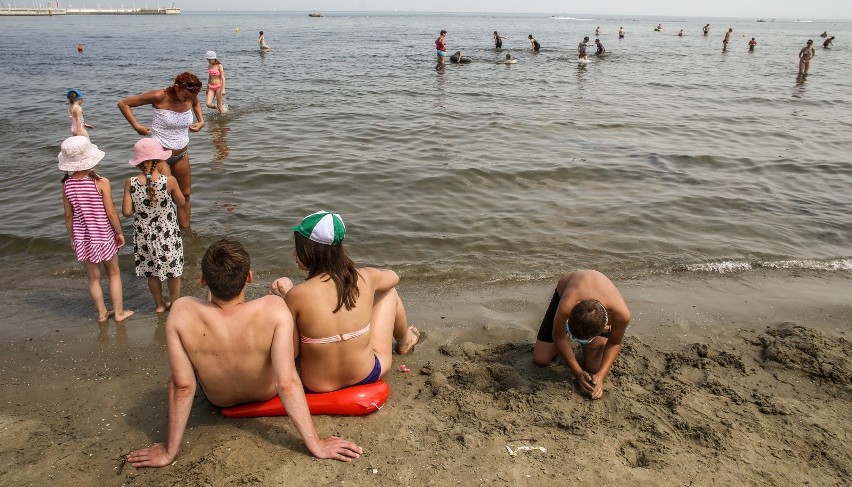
(665,156)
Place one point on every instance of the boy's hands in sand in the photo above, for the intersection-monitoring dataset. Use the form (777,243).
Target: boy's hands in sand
(591,385)
(153,456)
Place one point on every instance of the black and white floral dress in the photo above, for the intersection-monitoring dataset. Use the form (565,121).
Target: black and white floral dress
(157,244)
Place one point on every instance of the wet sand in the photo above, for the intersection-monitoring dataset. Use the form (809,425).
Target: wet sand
(721,381)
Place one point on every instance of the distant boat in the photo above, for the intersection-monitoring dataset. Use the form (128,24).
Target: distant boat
(314,14)
(761,20)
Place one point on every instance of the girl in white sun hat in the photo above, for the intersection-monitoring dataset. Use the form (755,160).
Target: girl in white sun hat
(92,222)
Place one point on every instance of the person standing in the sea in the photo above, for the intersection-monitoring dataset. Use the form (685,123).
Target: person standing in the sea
(706,29)
(170,126)
(751,44)
(805,55)
(498,40)
(621,32)
(581,49)
(586,309)
(261,40)
(727,40)
(441,46)
(534,43)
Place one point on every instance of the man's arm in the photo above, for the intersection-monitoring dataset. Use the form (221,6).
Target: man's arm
(292,394)
(181,391)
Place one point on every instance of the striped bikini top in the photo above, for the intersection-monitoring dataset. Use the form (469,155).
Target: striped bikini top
(335,338)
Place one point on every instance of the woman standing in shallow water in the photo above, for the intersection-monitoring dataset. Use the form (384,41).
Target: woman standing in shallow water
(805,55)
(170,126)
(356,311)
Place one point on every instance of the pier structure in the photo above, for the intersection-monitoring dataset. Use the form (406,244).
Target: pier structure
(55,8)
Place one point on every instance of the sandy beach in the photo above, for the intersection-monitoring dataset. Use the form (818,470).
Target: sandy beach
(722,380)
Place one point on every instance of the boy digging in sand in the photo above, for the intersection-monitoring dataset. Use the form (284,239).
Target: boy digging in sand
(587,309)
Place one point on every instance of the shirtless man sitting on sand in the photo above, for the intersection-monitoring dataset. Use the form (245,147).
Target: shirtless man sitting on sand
(587,309)
(241,351)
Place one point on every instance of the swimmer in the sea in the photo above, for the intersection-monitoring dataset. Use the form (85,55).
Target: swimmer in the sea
(621,32)
(457,58)
(600,51)
(508,60)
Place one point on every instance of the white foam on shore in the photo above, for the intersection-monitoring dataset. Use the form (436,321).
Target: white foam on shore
(729,267)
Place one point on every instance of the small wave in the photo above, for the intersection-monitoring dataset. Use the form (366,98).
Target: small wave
(731,267)
(566,18)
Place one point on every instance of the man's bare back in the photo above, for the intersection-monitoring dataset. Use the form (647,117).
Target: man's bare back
(230,348)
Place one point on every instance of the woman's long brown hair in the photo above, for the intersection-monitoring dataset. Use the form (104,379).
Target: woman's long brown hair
(333,261)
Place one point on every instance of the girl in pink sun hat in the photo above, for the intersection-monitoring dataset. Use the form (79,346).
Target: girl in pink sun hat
(92,222)
(151,198)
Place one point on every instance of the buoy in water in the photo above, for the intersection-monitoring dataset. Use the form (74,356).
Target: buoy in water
(237,29)
(79,47)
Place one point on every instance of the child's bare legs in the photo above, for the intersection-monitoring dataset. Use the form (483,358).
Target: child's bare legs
(220,101)
(389,323)
(174,290)
(210,94)
(156,288)
(115,290)
(94,271)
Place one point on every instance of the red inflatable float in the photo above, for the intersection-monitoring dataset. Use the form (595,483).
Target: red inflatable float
(352,401)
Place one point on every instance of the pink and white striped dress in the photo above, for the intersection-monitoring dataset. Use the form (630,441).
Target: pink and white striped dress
(94,237)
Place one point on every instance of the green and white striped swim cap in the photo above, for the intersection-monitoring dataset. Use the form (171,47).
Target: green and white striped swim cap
(322,227)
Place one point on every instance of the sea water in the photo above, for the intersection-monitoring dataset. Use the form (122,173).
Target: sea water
(667,155)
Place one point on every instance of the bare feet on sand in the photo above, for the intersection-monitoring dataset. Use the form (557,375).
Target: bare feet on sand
(163,308)
(410,341)
(122,317)
(104,319)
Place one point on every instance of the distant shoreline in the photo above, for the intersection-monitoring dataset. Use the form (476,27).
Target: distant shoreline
(29,12)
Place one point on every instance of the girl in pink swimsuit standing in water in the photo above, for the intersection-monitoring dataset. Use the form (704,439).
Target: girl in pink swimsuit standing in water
(215,83)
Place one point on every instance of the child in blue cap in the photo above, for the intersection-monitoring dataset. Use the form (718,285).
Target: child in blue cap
(75,113)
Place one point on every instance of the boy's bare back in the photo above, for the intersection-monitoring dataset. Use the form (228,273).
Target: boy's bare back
(229,348)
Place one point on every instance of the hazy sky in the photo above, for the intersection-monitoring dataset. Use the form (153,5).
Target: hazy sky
(819,9)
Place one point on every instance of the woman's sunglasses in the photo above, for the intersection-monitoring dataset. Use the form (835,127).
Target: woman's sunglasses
(191,85)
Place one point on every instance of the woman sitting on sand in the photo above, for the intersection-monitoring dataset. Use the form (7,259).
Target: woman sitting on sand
(347,317)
